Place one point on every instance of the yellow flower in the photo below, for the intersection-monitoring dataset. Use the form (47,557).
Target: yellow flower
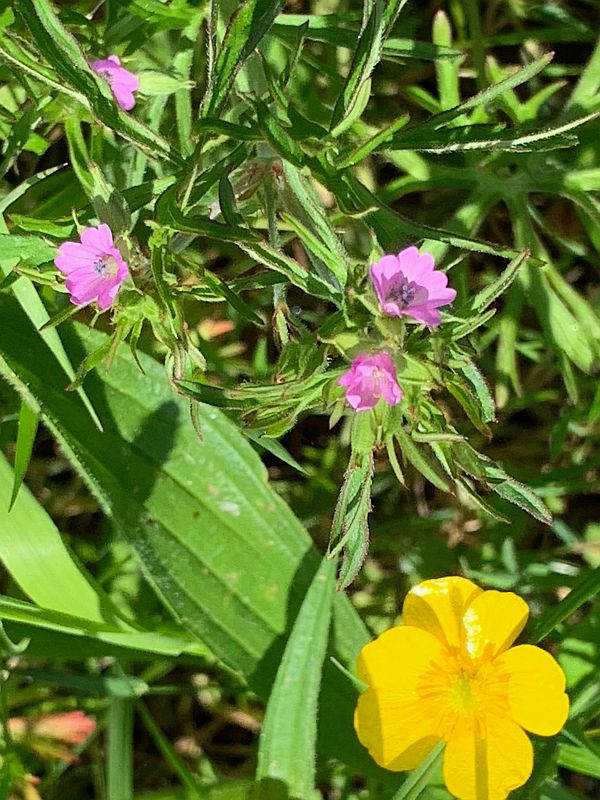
(448,674)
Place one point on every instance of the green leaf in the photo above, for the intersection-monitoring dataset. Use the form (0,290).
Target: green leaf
(462,394)
(420,778)
(119,749)
(350,528)
(26,432)
(375,143)
(517,493)
(278,136)
(469,137)
(578,759)
(303,202)
(424,463)
(163,490)
(221,127)
(169,214)
(287,746)
(173,759)
(366,57)
(322,28)
(69,633)
(586,588)
(314,246)
(18,137)
(309,281)
(487,95)
(63,52)
(29,251)
(563,329)
(247,26)
(486,297)
(482,392)
(35,555)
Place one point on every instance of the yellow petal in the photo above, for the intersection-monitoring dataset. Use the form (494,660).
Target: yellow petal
(487,761)
(398,658)
(438,606)
(536,689)
(393,719)
(493,621)
(397,732)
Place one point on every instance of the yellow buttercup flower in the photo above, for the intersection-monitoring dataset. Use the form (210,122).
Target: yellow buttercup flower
(449,674)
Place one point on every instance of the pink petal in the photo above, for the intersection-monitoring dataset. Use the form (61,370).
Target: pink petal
(416,266)
(429,316)
(123,96)
(107,295)
(105,238)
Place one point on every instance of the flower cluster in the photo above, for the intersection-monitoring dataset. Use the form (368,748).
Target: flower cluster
(94,267)
(449,674)
(406,285)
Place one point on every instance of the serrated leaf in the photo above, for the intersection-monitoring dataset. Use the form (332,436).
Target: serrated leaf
(473,410)
(302,201)
(482,98)
(481,389)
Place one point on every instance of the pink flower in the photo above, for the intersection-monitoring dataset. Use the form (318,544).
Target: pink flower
(368,379)
(122,82)
(408,285)
(95,268)
(71,727)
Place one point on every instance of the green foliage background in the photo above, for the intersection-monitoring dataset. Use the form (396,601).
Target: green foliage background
(164,568)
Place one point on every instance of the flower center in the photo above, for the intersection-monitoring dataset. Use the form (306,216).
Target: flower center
(463,688)
(466,693)
(405,293)
(106,267)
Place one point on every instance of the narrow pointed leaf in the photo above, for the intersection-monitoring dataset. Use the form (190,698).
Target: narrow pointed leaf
(287,747)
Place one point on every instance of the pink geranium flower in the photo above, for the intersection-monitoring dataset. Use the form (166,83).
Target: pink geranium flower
(370,378)
(94,267)
(408,285)
(122,82)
